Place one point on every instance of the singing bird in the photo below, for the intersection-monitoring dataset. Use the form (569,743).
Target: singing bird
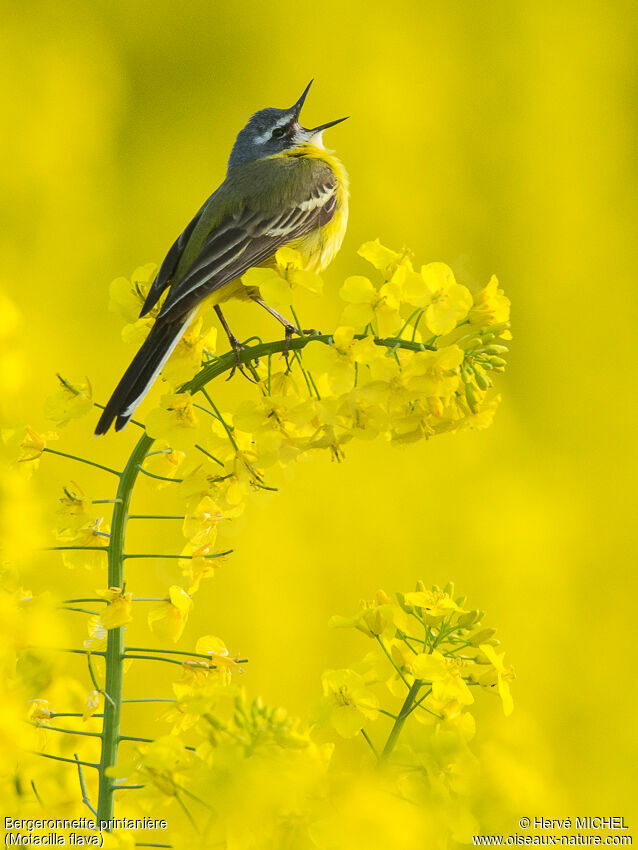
(282,188)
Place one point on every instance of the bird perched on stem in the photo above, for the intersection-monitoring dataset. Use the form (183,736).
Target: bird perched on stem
(282,188)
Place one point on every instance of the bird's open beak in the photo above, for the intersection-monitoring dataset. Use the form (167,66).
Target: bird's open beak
(311,135)
(296,109)
(323,127)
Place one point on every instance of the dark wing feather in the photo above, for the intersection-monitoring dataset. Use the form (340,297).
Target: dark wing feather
(248,238)
(167,269)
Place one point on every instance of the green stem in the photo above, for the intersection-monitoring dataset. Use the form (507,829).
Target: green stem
(227,361)
(176,557)
(156,516)
(370,744)
(169,652)
(81,460)
(62,758)
(401,718)
(67,731)
(115,640)
(129,656)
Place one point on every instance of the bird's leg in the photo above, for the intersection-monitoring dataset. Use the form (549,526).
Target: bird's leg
(289,327)
(236,345)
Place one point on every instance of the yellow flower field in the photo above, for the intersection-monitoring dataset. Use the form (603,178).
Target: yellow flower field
(356,602)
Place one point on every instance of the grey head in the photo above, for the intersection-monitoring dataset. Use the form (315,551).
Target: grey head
(272,131)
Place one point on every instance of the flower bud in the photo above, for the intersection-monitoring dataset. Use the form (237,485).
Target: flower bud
(474,342)
(482,380)
(466,620)
(472,397)
(482,636)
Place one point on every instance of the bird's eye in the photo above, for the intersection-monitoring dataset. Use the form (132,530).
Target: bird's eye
(278,132)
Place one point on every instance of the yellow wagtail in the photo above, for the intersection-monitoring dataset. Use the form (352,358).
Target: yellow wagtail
(281,188)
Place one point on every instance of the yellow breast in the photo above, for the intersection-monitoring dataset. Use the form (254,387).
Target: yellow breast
(319,247)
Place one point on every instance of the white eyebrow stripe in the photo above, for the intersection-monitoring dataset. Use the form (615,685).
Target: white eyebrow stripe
(268,133)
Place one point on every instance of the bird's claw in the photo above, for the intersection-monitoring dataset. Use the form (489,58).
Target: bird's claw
(239,366)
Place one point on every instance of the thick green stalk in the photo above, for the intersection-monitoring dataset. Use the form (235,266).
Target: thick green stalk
(401,718)
(115,640)
(117,557)
(212,370)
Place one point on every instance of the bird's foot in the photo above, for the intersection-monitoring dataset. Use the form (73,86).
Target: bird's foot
(239,366)
(290,330)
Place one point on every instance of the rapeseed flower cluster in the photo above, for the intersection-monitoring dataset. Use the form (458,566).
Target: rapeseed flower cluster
(414,356)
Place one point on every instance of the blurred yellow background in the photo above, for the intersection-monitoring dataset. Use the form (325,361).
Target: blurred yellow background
(498,137)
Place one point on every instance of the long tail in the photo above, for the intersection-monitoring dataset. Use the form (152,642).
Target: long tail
(141,374)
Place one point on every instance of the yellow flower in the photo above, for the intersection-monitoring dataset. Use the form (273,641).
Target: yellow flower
(127,296)
(347,702)
(118,611)
(74,509)
(39,711)
(382,258)
(375,619)
(169,619)
(273,288)
(198,563)
(444,674)
(367,305)
(34,444)
(186,359)
(333,366)
(71,401)
(220,656)
(162,763)
(276,284)
(432,605)
(200,524)
(446,302)
(290,263)
(491,306)
(164,461)
(434,373)
(174,421)
(90,535)
(96,641)
(92,704)
(503,675)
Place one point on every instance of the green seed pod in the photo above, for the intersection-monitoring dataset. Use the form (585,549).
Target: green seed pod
(466,620)
(482,380)
(497,329)
(482,636)
(472,397)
